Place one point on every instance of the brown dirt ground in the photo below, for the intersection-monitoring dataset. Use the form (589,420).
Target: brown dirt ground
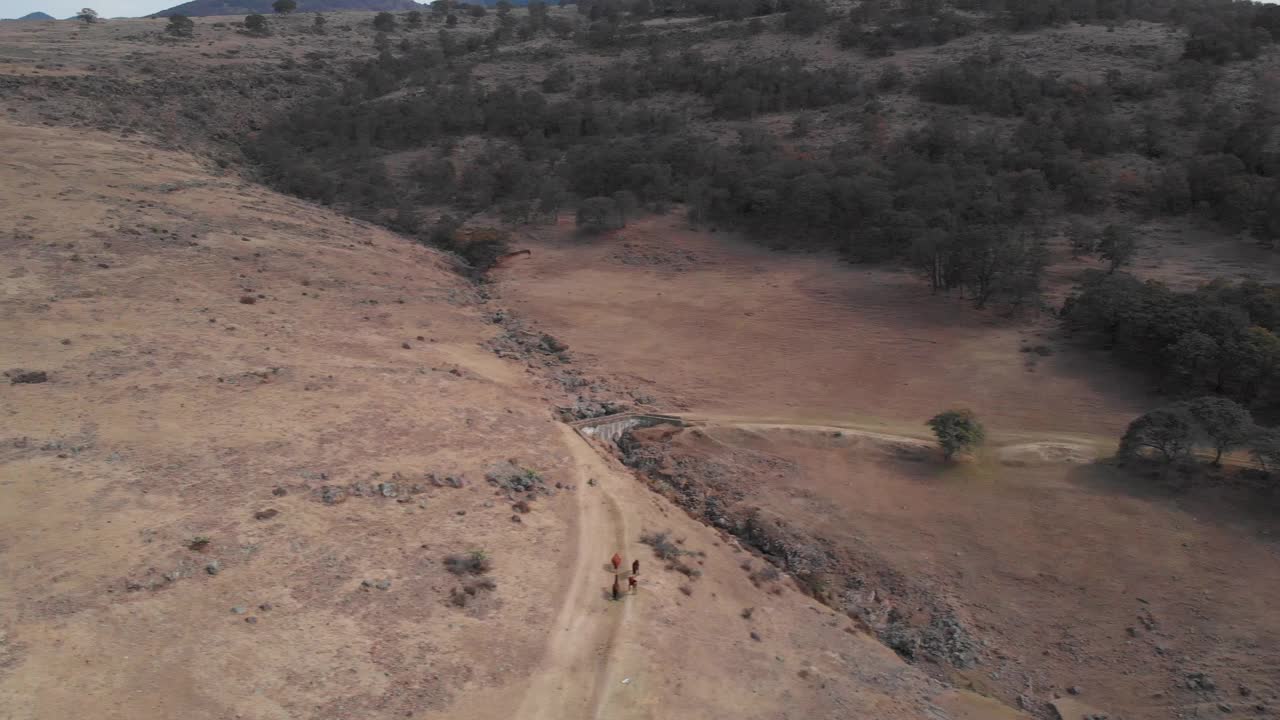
(1070,573)
(719,326)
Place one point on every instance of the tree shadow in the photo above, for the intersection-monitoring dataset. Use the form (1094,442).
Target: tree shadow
(1226,497)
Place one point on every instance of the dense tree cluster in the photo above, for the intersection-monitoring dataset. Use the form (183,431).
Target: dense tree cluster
(736,90)
(1220,338)
(1208,423)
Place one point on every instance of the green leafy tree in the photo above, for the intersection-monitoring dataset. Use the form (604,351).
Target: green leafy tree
(1170,431)
(1264,446)
(805,17)
(1083,239)
(384,22)
(1223,424)
(1117,246)
(957,431)
(284,7)
(180,26)
(597,213)
(87,16)
(256,24)
(1194,358)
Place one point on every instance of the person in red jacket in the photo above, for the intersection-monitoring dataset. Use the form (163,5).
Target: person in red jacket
(617,561)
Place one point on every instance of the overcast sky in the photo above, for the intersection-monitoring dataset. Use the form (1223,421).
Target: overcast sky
(66,8)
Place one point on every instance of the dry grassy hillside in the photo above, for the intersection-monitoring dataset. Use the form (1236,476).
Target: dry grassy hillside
(265,458)
(262,429)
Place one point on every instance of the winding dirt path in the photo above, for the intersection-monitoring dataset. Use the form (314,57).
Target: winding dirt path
(574,674)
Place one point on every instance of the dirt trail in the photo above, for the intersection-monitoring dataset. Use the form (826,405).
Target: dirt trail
(1086,446)
(575,671)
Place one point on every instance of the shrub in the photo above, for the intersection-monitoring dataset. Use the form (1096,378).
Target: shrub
(256,24)
(475,562)
(384,22)
(284,7)
(766,574)
(180,26)
(957,430)
(662,544)
(598,213)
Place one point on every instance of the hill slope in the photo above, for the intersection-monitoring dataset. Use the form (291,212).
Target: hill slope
(201,8)
(36,16)
(241,466)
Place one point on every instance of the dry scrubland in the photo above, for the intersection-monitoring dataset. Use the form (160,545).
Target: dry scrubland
(266,425)
(232,496)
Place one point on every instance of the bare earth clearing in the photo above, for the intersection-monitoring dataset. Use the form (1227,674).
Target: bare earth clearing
(714,325)
(1069,574)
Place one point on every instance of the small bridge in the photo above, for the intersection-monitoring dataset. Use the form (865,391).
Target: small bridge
(610,428)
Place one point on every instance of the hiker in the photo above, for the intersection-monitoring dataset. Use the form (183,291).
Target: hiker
(617,591)
(635,568)
(617,561)
(631,584)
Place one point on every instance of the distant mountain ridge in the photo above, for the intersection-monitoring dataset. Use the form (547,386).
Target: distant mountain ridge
(36,16)
(201,8)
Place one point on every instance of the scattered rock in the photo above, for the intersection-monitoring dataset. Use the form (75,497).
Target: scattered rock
(388,490)
(248,300)
(1245,691)
(266,514)
(756,636)
(27,377)
(516,519)
(213,568)
(406,345)
(264,607)
(1224,707)
(332,494)
(251,620)
(510,476)
(551,344)
(1074,690)
(1199,681)
(239,610)
(279,491)
(383,584)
